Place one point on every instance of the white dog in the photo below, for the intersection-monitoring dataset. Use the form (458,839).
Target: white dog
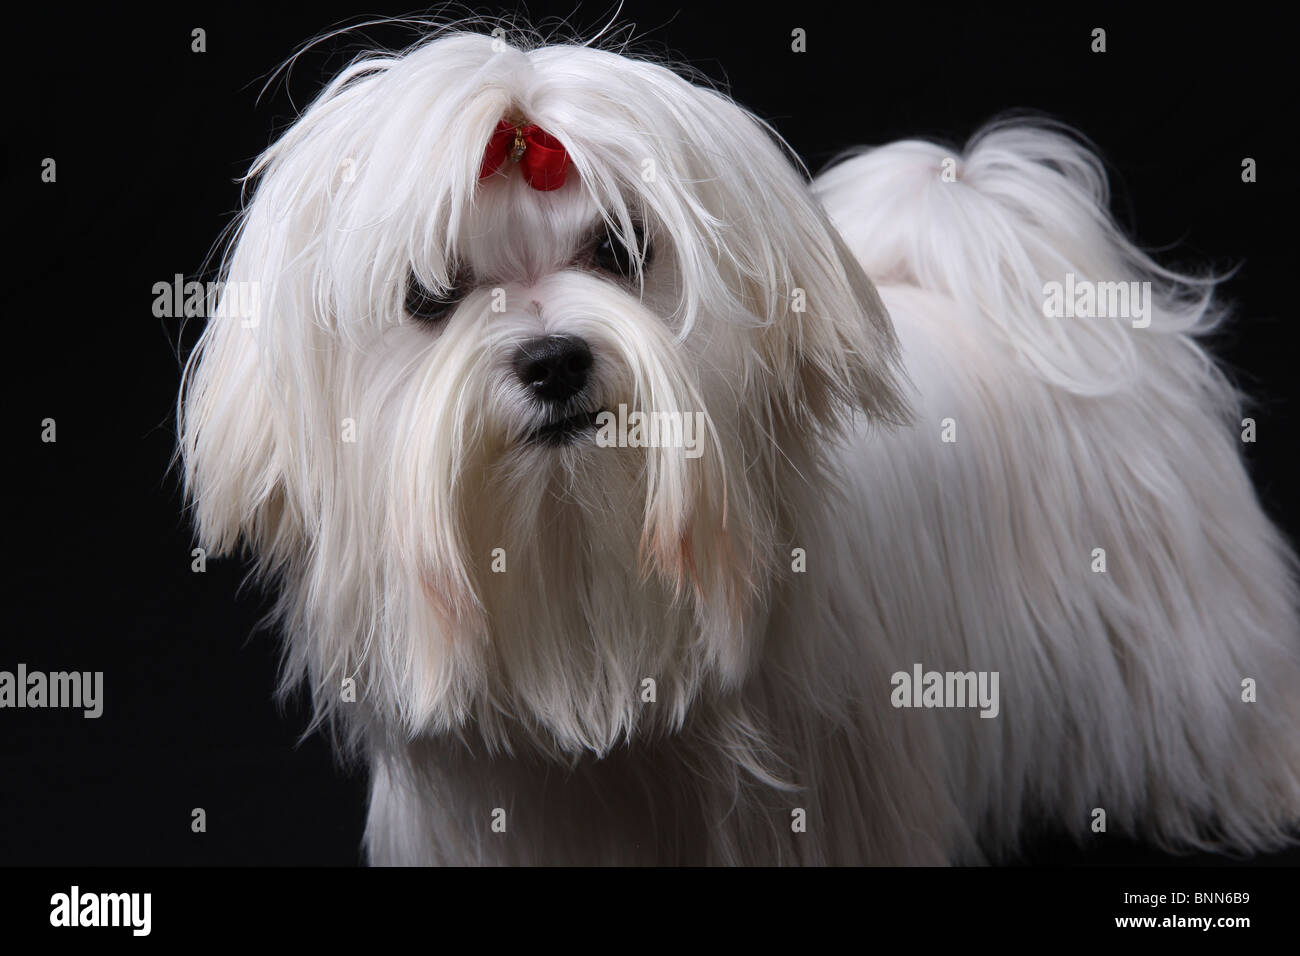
(962,542)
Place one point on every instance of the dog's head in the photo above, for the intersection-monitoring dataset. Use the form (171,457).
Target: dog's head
(512,446)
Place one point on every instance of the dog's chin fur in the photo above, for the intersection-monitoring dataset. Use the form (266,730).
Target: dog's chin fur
(500,602)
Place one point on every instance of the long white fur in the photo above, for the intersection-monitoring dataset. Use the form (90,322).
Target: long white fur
(522,690)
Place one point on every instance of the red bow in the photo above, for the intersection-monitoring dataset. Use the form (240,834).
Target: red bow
(538,153)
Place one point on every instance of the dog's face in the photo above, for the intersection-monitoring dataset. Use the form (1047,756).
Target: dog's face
(405,432)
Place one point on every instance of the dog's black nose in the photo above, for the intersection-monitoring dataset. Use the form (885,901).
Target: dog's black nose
(553,367)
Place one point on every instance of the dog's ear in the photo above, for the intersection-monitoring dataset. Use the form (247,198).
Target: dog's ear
(254,399)
(231,427)
(825,342)
(828,344)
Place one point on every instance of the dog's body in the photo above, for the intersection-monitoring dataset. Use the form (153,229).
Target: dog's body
(568,653)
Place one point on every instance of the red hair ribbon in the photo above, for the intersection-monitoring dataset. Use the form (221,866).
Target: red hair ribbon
(539,154)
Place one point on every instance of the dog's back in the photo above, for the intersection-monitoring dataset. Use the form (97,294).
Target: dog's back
(1070,509)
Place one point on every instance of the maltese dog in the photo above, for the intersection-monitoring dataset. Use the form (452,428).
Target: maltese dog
(631,499)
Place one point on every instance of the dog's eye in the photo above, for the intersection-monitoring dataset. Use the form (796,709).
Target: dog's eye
(610,254)
(428,306)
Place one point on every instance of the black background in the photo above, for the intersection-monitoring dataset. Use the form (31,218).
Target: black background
(150,139)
